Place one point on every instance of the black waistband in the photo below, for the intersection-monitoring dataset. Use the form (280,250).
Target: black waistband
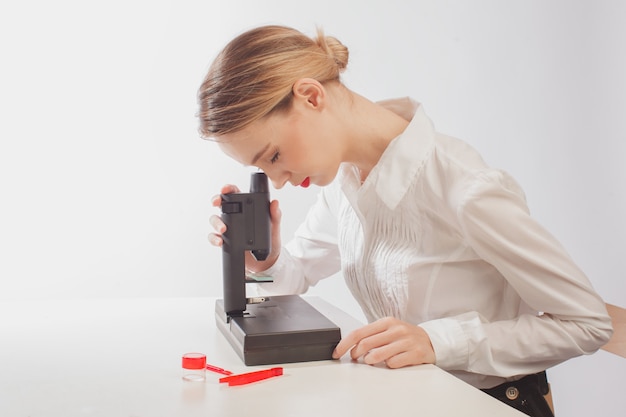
(538,380)
(526,395)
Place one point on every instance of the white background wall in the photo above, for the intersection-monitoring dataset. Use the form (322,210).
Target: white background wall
(105,183)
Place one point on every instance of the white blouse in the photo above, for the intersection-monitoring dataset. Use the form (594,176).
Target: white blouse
(437,238)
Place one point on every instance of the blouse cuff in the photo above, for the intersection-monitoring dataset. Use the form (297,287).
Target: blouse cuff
(449,343)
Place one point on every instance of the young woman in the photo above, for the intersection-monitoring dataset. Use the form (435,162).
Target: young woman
(438,248)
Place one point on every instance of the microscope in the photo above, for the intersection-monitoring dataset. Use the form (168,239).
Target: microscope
(264,330)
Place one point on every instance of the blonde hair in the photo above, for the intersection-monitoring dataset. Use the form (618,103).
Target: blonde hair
(254,74)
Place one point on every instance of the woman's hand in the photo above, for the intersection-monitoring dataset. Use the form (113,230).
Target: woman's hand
(389,340)
(219,228)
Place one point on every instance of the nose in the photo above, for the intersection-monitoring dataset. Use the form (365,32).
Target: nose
(278,183)
(279,177)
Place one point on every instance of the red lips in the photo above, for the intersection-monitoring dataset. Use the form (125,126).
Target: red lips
(306,182)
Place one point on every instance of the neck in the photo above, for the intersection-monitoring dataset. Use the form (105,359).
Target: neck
(371,128)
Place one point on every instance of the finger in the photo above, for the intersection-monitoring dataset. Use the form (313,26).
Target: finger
(384,353)
(229,188)
(275,213)
(216,200)
(368,345)
(275,217)
(401,360)
(215,240)
(356,337)
(217,223)
(400,346)
(344,344)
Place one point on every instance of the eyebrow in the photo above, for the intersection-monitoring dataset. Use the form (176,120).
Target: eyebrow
(259,154)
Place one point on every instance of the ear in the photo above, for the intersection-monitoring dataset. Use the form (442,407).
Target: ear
(310,92)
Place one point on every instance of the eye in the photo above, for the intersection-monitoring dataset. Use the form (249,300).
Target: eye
(275,157)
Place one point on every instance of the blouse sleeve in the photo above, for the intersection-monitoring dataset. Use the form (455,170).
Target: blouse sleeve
(572,319)
(311,255)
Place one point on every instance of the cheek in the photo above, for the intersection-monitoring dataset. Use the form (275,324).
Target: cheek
(300,160)
(306,151)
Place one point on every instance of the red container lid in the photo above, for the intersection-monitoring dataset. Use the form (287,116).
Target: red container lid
(194,361)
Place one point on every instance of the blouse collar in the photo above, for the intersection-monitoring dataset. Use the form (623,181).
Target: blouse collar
(401,161)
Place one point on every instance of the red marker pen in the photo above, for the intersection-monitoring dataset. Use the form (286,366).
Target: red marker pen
(242,379)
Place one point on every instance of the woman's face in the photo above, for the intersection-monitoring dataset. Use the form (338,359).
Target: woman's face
(297,146)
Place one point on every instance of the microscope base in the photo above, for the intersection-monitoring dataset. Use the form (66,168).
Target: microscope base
(283,329)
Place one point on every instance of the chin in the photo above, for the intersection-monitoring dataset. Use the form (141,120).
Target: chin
(321,182)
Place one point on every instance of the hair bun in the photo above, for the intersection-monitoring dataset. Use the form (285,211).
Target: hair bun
(334,49)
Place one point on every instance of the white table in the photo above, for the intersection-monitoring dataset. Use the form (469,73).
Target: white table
(122,357)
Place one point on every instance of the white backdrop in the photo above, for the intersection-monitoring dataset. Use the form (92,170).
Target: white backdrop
(106,185)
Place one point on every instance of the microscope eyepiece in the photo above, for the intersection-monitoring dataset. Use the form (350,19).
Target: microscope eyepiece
(259,183)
